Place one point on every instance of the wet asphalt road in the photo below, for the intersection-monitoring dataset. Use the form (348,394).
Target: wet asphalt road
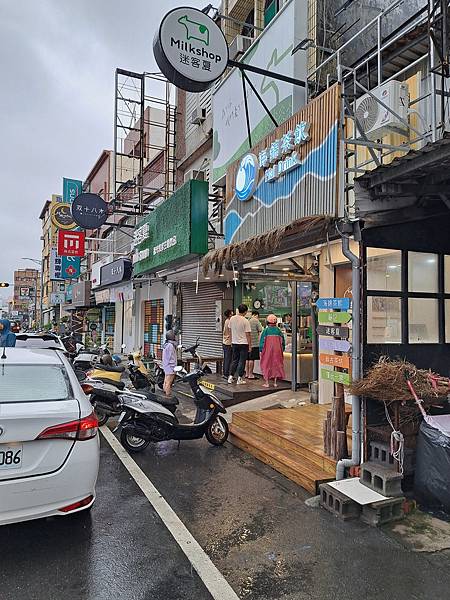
(252,522)
(123,551)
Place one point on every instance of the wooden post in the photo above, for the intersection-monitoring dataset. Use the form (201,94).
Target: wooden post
(326,448)
(341,445)
(333,426)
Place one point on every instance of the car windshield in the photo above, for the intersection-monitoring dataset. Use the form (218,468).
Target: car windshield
(32,383)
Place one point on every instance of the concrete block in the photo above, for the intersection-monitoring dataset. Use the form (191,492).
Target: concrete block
(338,504)
(380,452)
(385,511)
(381,479)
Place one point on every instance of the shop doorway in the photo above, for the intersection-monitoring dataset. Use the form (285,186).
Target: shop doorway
(343,281)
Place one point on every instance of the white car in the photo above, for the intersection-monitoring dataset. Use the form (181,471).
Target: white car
(39,340)
(49,442)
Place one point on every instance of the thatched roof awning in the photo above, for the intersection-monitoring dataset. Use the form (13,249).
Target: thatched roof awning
(266,244)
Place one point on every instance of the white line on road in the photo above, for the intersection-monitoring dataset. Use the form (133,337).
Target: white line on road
(217,585)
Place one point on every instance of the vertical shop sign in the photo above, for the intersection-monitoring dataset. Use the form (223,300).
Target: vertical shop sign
(71,189)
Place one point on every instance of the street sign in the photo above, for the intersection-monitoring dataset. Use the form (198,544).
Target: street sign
(190,49)
(334,317)
(89,211)
(336,376)
(334,303)
(335,360)
(71,243)
(333,331)
(61,216)
(334,345)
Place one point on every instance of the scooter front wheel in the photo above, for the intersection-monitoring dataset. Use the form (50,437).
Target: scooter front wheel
(131,443)
(217,432)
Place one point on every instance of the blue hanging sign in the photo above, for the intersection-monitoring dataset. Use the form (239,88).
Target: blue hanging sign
(70,267)
(71,189)
(334,303)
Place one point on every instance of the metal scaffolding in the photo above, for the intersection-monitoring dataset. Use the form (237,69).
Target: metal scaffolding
(419,45)
(144,141)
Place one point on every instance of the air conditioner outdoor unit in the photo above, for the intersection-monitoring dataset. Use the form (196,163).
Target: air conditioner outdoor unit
(375,120)
(239,45)
(194,174)
(198,116)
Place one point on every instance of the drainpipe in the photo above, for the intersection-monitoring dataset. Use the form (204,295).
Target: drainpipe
(356,362)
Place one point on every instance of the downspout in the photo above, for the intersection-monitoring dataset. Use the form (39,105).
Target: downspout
(356,361)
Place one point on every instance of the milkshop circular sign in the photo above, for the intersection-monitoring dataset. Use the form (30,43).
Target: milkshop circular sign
(190,49)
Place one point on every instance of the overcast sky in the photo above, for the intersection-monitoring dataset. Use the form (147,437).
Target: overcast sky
(57,98)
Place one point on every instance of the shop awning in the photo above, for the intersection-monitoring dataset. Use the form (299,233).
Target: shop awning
(419,182)
(298,234)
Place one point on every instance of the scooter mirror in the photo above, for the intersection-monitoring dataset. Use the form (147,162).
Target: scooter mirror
(178,369)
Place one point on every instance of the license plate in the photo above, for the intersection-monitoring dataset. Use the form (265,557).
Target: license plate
(11,456)
(207,385)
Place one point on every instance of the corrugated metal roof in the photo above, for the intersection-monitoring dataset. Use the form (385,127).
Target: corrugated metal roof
(413,160)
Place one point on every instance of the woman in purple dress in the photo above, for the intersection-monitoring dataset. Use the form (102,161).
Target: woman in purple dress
(271,347)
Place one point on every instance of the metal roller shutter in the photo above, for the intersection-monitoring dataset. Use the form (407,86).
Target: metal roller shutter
(199,317)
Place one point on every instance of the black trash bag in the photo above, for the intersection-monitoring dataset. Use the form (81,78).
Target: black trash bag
(432,476)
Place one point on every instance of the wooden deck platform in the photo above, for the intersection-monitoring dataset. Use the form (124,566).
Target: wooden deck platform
(290,440)
(231,394)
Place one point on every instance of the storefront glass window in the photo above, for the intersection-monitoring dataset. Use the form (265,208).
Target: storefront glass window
(447,274)
(422,272)
(423,321)
(384,269)
(384,321)
(447,321)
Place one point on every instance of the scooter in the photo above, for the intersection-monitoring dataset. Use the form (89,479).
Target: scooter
(140,376)
(143,421)
(86,357)
(105,398)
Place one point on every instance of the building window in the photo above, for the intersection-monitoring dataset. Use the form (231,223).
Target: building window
(384,269)
(408,297)
(422,272)
(423,321)
(384,320)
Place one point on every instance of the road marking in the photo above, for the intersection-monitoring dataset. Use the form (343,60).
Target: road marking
(215,582)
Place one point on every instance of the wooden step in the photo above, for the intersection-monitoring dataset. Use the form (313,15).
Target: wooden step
(301,443)
(302,471)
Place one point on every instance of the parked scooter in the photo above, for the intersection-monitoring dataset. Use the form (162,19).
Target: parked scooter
(86,357)
(141,377)
(143,421)
(193,351)
(105,398)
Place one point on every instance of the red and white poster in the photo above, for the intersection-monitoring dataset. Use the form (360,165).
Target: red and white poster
(71,243)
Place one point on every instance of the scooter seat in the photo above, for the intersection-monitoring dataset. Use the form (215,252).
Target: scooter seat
(167,401)
(118,384)
(111,369)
